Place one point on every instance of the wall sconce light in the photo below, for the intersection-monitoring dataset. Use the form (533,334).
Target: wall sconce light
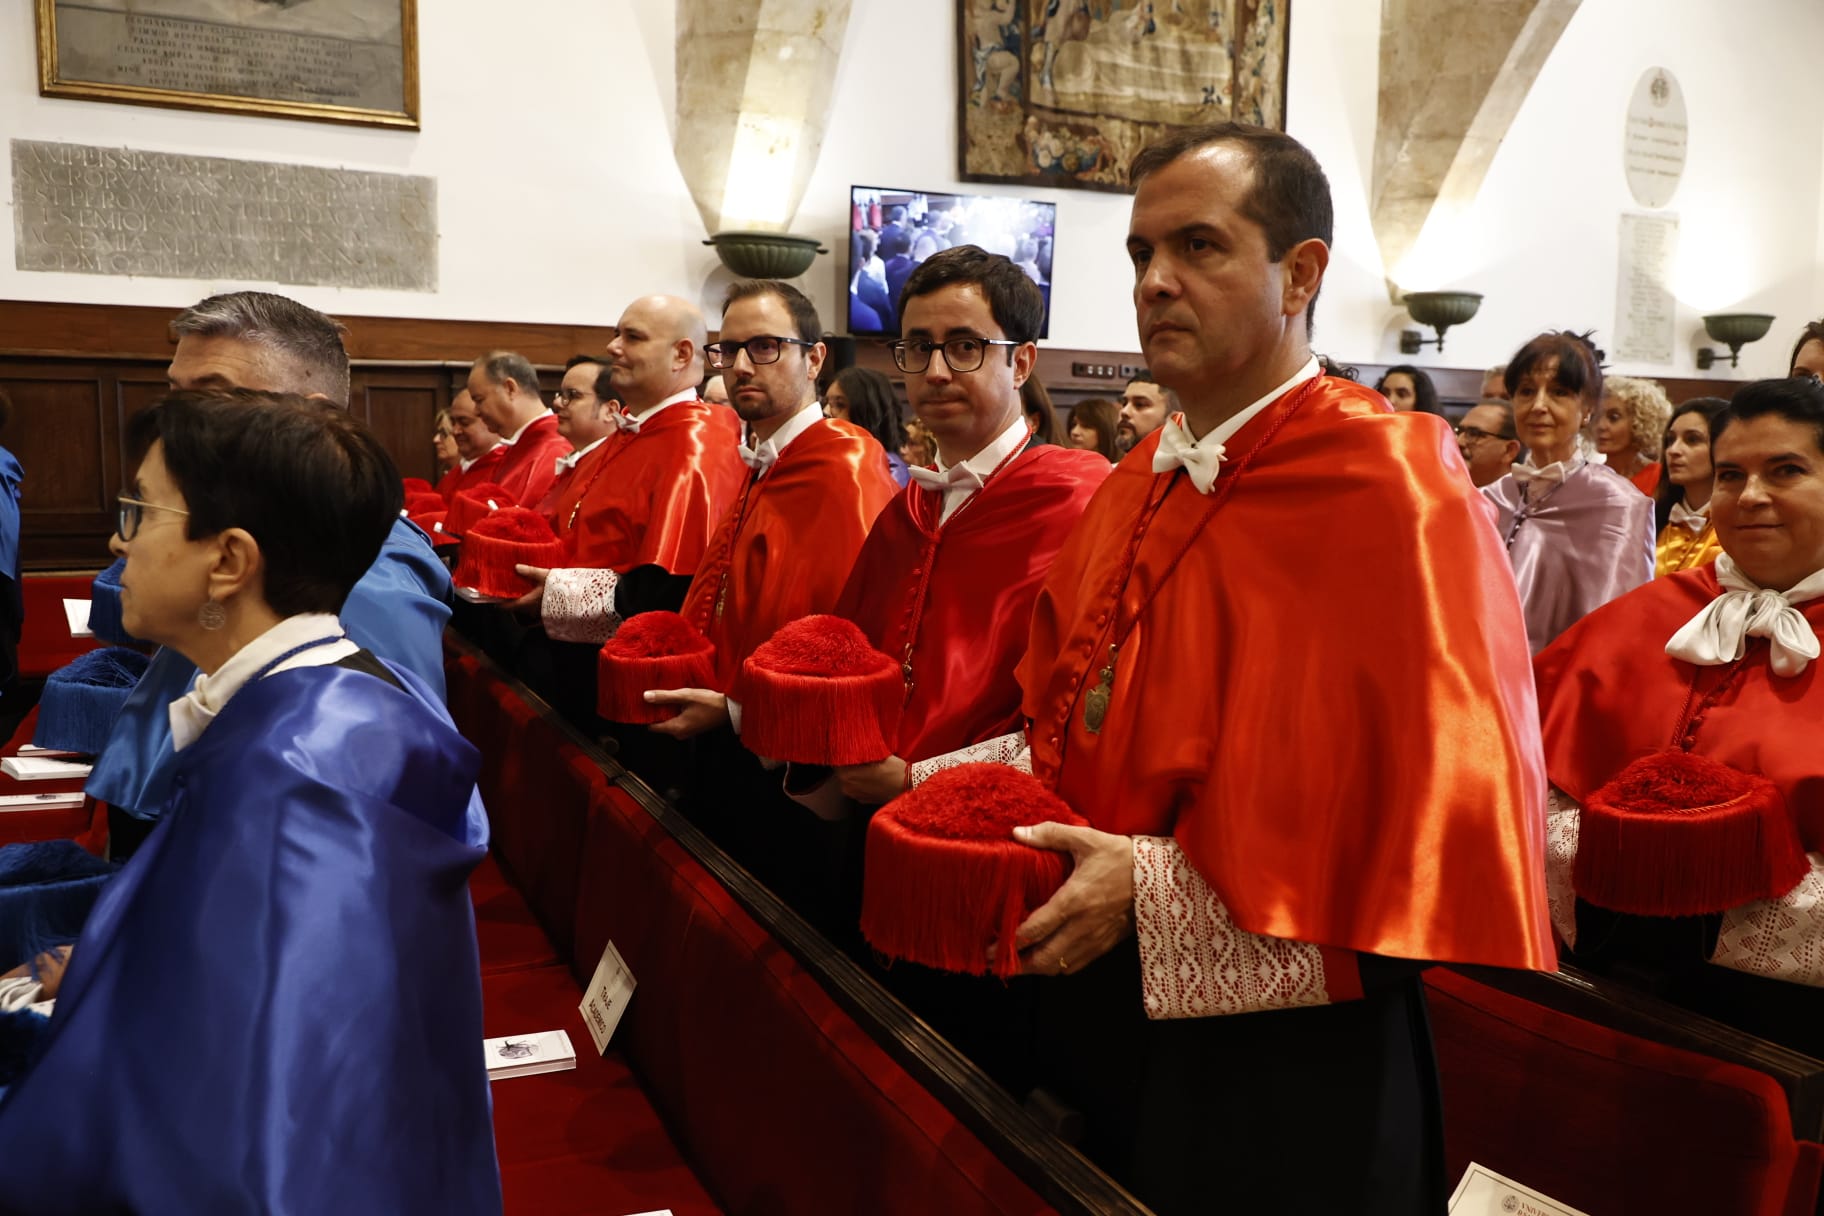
(1734,330)
(1440,310)
(766,255)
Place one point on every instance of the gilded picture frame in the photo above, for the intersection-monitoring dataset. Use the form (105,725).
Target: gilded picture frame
(1063,93)
(345,61)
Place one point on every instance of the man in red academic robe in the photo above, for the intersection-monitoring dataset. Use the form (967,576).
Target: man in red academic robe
(1720,662)
(1249,711)
(478,449)
(587,413)
(505,388)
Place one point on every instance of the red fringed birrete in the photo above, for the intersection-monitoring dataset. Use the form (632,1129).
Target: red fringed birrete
(423,502)
(817,693)
(474,504)
(503,539)
(416,485)
(650,651)
(1677,834)
(945,879)
(433,524)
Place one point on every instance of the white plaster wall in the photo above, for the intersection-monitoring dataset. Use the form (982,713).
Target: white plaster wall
(549,133)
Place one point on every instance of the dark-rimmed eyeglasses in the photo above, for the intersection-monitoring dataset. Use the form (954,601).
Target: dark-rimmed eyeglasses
(564,396)
(1475,434)
(960,354)
(128,512)
(765,348)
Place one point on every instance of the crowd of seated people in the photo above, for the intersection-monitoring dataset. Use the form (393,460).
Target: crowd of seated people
(1654,570)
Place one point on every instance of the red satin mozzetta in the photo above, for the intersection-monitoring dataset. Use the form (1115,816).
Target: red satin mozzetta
(786,546)
(530,464)
(561,501)
(659,493)
(481,472)
(954,602)
(1327,704)
(1609,694)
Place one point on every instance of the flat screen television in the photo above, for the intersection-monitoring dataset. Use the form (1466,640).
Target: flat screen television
(892,231)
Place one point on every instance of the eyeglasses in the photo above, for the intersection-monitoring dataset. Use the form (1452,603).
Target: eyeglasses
(564,396)
(762,349)
(1474,434)
(129,510)
(960,354)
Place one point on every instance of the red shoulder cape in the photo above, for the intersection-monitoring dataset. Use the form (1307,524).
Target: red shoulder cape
(783,550)
(1609,694)
(482,471)
(530,465)
(955,603)
(1328,703)
(560,503)
(655,497)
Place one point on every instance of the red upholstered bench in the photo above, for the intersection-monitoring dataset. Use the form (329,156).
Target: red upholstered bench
(776,1096)
(45,643)
(1608,1122)
(17,827)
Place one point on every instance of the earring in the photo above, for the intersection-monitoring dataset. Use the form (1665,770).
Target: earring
(211,615)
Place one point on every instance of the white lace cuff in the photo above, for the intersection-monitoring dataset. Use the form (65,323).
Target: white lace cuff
(1194,961)
(22,992)
(1562,817)
(579,605)
(1011,750)
(1782,938)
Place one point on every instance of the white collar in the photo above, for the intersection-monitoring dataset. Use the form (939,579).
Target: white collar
(1719,633)
(1012,439)
(569,459)
(468,464)
(1228,427)
(1694,521)
(762,458)
(191,713)
(688,394)
(522,430)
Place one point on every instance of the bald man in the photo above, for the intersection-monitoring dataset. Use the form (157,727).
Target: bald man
(657,487)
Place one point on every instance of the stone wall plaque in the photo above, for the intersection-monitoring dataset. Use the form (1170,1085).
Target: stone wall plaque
(121,211)
(1653,153)
(1645,309)
(335,60)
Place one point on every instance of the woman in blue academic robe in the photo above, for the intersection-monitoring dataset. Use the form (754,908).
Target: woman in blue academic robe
(276,1006)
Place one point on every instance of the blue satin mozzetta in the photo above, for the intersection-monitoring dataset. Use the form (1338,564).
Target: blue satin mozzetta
(10,477)
(276,1005)
(397,611)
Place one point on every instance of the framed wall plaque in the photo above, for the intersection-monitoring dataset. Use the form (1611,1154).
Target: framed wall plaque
(353,61)
(1063,93)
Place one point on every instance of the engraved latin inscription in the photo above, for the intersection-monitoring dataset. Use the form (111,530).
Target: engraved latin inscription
(122,211)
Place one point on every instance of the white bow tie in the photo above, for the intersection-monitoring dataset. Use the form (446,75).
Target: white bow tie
(1719,634)
(626,422)
(759,461)
(956,477)
(1696,521)
(1178,450)
(1552,474)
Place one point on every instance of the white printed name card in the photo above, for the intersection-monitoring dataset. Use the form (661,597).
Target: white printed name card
(1486,1193)
(605,1000)
(76,612)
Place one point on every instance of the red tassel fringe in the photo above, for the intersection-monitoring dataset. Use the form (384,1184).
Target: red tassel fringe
(471,506)
(505,538)
(423,502)
(652,650)
(944,877)
(1680,835)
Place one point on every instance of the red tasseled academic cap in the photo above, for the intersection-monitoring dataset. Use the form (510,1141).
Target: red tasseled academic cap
(945,878)
(433,524)
(501,540)
(651,650)
(474,503)
(1676,834)
(416,485)
(817,693)
(423,502)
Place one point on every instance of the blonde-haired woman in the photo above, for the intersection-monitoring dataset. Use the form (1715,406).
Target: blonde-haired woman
(1630,424)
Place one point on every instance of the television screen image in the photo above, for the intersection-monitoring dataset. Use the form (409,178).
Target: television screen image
(892,231)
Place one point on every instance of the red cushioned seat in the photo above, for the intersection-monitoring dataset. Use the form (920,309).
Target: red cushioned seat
(45,643)
(1608,1122)
(587,1140)
(62,823)
(505,929)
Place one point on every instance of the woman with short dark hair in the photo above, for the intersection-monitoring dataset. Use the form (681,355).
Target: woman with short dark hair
(1408,388)
(1094,425)
(276,1004)
(1578,533)
(1041,415)
(865,397)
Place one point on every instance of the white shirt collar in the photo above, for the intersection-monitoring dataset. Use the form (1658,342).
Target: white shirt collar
(569,459)
(960,481)
(191,713)
(1227,429)
(689,394)
(1202,458)
(999,448)
(468,464)
(762,458)
(522,429)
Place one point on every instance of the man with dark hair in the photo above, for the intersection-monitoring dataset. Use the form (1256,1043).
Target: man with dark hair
(585,418)
(1199,634)
(1488,442)
(478,450)
(505,388)
(896,250)
(397,610)
(1145,405)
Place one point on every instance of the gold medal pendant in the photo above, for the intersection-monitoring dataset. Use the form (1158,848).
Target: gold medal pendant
(1095,701)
